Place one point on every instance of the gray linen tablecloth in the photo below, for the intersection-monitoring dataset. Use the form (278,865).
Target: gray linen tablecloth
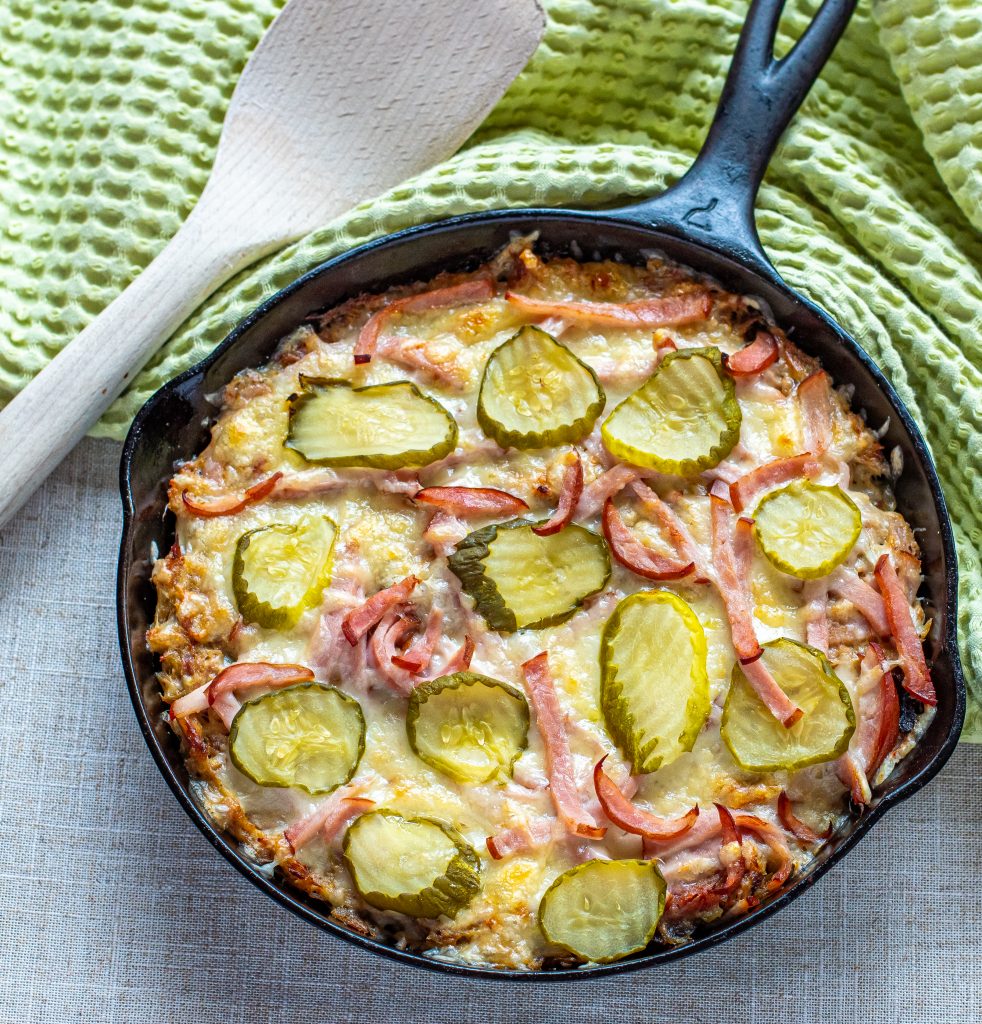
(114,908)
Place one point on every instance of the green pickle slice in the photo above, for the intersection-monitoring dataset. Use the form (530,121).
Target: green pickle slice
(417,866)
(759,742)
(280,570)
(385,426)
(604,910)
(684,419)
(519,580)
(805,529)
(535,393)
(654,687)
(309,736)
(468,726)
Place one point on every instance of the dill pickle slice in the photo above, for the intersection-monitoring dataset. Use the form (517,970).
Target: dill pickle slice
(309,737)
(604,910)
(520,580)
(280,570)
(385,426)
(759,742)
(418,866)
(685,418)
(654,687)
(805,529)
(535,393)
(468,726)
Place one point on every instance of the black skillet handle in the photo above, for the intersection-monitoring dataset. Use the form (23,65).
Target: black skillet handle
(714,202)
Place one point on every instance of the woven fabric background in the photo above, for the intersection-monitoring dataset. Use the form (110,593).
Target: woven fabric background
(115,910)
(111,110)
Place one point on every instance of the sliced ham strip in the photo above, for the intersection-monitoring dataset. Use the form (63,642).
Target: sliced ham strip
(569,497)
(917,677)
(461,660)
(596,494)
(847,585)
(467,502)
(250,675)
(393,629)
(477,290)
(419,654)
(521,839)
(618,807)
(190,703)
(329,817)
(328,650)
(731,852)
(743,548)
(309,483)
(816,595)
(645,313)
(795,825)
(359,621)
(431,356)
(559,760)
(683,542)
(877,726)
(444,531)
(745,491)
(633,555)
(229,504)
(753,358)
(735,591)
(815,398)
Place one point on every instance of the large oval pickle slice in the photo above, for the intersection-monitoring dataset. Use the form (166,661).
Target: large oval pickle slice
(604,910)
(418,866)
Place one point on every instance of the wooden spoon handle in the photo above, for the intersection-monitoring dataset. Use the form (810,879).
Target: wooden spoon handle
(48,418)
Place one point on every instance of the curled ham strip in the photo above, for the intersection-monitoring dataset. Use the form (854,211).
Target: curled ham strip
(569,497)
(229,504)
(753,358)
(359,621)
(596,494)
(444,531)
(311,482)
(419,654)
(877,728)
(735,591)
(328,650)
(626,816)
(390,632)
(795,825)
(745,491)
(329,817)
(461,660)
(847,584)
(648,313)
(917,677)
(477,290)
(815,398)
(467,502)
(816,595)
(219,692)
(559,760)
(634,555)
(685,546)
(422,354)
(521,839)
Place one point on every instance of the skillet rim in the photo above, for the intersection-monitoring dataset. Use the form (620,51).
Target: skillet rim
(632,219)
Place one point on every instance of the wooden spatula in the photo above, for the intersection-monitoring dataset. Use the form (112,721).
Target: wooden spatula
(341,100)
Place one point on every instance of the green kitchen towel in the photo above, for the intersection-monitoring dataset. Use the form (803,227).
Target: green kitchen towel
(110,112)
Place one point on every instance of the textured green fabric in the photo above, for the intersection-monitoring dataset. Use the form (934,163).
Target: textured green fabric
(111,112)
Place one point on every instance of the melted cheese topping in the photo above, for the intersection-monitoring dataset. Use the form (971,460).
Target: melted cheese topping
(381,542)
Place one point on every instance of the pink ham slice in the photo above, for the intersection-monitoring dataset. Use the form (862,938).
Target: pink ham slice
(846,584)
(917,677)
(521,839)
(417,657)
(360,620)
(618,807)
(755,357)
(815,399)
(569,496)
(329,817)
(389,634)
(634,555)
(646,313)
(685,546)
(745,491)
(229,504)
(610,483)
(477,290)
(559,760)
(735,592)
(468,502)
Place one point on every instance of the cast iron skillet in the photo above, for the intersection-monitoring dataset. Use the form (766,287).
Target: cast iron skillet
(705,222)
